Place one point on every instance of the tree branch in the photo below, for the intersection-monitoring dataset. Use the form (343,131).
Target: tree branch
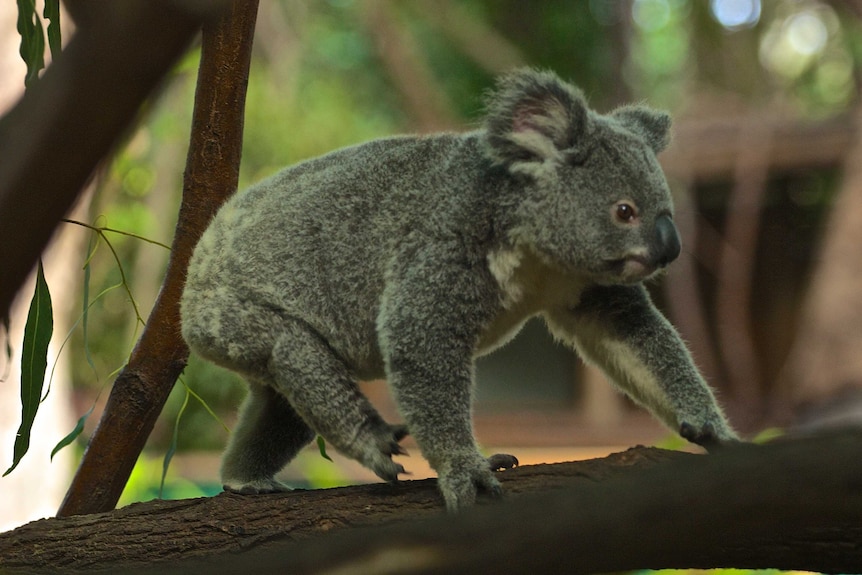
(164,532)
(54,138)
(211,176)
(705,150)
(791,505)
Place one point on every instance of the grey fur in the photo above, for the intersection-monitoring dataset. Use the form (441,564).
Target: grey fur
(407,257)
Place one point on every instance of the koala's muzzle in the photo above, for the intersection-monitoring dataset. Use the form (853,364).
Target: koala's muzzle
(667,246)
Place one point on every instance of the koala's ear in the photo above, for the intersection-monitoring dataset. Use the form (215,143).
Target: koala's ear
(652,125)
(533,116)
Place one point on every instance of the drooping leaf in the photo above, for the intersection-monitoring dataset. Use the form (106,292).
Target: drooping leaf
(73,435)
(169,455)
(32,48)
(85,313)
(321,446)
(205,405)
(52,14)
(34,362)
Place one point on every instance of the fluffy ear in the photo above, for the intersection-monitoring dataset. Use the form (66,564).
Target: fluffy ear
(532,117)
(652,125)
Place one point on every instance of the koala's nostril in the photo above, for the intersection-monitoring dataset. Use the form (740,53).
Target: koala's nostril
(668,243)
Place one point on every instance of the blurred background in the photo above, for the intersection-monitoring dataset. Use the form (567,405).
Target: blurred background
(766,169)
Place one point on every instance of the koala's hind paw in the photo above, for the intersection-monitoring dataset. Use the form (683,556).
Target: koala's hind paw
(256,487)
(382,465)
(707,436)
(377,455)
(502,461)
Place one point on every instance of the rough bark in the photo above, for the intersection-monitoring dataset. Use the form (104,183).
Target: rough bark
(211,176)
(163,532)
(54,138)
(791,505)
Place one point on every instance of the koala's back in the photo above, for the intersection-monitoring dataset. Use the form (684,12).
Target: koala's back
(313,243)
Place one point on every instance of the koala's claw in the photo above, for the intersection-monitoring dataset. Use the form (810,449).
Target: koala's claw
(386,469)
(399,431)
(375,451)
(502,461)
(389,438)
(399,470)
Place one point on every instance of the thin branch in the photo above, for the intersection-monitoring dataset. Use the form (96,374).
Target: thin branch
(101,229)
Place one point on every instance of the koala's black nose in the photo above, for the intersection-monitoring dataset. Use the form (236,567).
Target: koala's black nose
(667,239)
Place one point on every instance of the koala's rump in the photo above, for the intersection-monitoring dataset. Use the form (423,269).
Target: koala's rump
(311,243)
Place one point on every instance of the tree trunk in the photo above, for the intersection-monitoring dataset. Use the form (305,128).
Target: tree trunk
(212,172)
(54,138)
(790,505)
(736,270)
(825,359)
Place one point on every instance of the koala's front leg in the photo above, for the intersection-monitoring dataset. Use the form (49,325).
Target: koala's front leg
(619,329)
(428,327)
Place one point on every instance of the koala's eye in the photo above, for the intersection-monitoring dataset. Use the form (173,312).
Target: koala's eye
(625,212)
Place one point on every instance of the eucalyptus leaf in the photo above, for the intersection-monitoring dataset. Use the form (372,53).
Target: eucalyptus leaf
(85,314)
(32,48)
(34,362)
(52,14)
(321,446)
(73,435)
(169,455)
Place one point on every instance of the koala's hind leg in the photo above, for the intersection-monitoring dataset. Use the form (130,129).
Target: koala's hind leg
(267,436)
(321,389)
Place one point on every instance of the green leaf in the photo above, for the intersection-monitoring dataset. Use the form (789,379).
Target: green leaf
(74,433)
(32,48)
(52,14)
(173,447)
(205,405)
(321,446)
(34,362)
(85,313)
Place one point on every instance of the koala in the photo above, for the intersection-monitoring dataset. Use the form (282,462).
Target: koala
(405,258)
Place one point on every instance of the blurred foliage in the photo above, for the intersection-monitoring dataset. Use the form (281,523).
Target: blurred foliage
(319,82)
(146,477)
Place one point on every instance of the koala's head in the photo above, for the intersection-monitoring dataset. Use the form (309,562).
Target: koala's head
(592,197)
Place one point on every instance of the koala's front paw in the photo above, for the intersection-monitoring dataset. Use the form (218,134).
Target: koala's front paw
(708,435)
(461,477)
(255,487)
(502,461)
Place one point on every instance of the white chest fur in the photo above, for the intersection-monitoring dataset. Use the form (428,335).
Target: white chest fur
(529,287)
